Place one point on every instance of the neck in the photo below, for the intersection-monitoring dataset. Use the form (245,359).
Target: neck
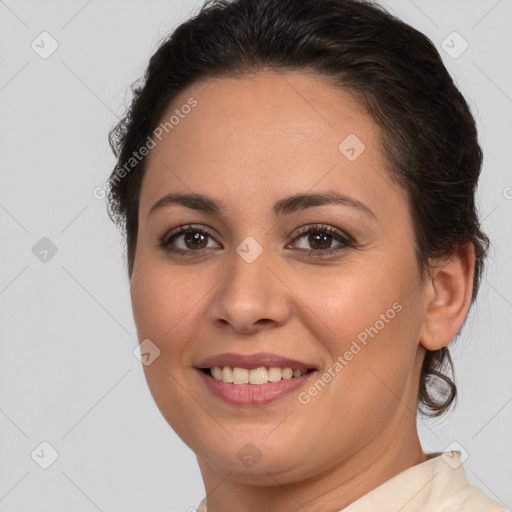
(396,449)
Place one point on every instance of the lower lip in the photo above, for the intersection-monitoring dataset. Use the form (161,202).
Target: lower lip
(253,394)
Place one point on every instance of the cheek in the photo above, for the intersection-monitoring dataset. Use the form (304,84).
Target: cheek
(162,298)
(349,303)
(163,301)
(368,322)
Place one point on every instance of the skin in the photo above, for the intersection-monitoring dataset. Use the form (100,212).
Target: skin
(248,143)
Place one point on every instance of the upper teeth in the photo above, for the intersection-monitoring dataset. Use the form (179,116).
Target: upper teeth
(254,375)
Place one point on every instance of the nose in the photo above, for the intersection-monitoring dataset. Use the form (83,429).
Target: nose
(250,297)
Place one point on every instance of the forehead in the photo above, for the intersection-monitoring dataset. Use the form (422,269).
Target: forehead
(272,131)
(261,105)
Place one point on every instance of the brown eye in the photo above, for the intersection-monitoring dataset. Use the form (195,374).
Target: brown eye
(195,240)
(319,240)
(187,240)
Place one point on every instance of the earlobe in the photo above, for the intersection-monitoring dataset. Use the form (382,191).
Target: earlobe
(448,295)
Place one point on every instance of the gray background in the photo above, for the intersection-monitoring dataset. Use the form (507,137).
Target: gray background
(68,375)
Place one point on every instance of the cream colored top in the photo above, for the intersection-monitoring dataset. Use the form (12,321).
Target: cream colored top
(437,485)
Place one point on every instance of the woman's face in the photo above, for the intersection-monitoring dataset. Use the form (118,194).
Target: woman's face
(249,289)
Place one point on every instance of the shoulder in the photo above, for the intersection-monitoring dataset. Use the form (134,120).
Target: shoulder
(471,499)
(436,485)
(453,493)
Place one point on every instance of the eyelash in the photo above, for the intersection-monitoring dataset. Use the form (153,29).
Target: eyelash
(344,240)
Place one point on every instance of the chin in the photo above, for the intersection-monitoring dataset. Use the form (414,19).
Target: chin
(251,467)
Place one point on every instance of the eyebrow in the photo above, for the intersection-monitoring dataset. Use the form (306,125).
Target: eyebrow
(285,206)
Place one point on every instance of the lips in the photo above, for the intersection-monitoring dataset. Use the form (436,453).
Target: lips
(253,379)
(263,359)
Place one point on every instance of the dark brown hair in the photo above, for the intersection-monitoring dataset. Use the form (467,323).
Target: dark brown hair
(428,133)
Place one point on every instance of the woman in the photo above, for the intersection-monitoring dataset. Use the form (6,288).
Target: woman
(296,183)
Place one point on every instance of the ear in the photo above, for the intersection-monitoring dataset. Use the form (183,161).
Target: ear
(448,294)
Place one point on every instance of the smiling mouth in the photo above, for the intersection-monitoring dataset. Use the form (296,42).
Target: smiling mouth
(256,376)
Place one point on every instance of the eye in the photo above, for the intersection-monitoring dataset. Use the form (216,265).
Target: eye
(186,240)
(320,237)
(193,239)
